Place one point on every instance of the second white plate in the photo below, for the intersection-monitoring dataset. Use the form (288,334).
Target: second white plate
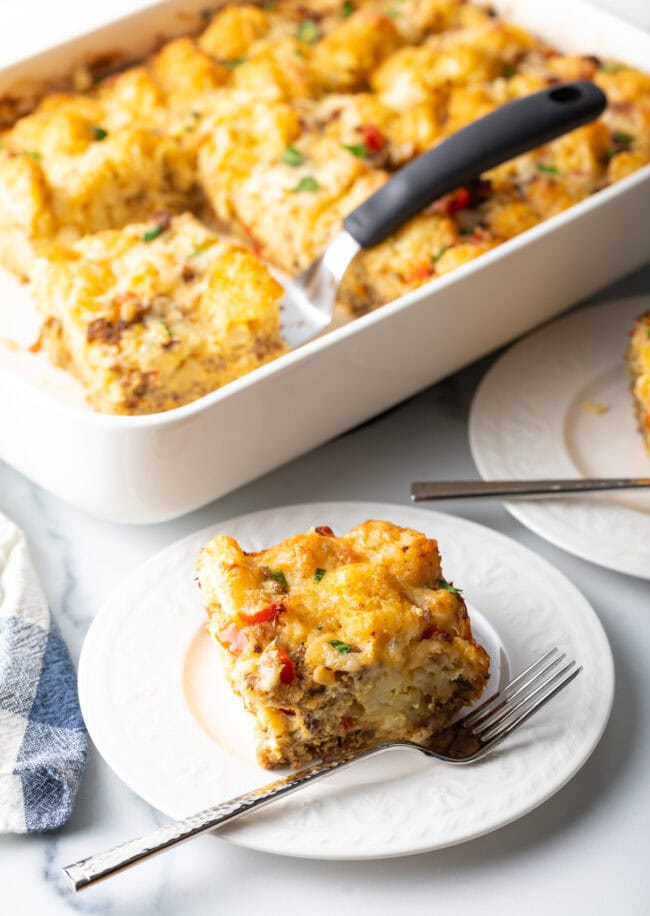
(536,415)
(157,706)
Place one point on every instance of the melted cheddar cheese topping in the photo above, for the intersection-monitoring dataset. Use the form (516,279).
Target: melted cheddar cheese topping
(157,314)
(361,629)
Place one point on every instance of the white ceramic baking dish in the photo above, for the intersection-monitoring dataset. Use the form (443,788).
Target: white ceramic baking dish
(151,468)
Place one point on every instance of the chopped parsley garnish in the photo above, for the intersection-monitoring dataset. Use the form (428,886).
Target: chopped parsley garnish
(32,154)
(170,333)
(153,233)
(292,156)
(357,149)
(622,141)
(620,136)
(549,169)
(341,647)
(347,9)
(234,62)
(611,68)
(278,576)
(201,248)
(468,230)
(509,71)
(308,183)
(439,253)
(448,587)
(318,575)
(308,32)
(99,133)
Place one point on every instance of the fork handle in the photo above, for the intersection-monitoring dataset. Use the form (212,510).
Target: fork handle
(104,864)
(473,489)
(505,133)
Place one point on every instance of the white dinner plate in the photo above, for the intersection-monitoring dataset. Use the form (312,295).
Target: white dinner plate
(536,415)
(157,706)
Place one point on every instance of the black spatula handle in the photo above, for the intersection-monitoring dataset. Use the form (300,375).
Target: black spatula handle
(501,135)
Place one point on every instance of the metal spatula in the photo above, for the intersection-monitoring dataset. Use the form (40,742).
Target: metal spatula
(514,128)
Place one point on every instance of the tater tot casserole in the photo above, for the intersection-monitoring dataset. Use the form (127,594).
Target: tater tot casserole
(334,643)
(255,137)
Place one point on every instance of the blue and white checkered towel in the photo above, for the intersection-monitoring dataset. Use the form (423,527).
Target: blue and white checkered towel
(43,742)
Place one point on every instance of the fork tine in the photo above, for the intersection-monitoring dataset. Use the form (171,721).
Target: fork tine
(541,701)
(538,679)
(513,707)
(499,730)
(507,690)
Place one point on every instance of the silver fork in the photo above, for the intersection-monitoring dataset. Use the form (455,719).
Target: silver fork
(466,741)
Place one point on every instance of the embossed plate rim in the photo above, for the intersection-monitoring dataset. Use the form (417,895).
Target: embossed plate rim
(499,453)
(128,686)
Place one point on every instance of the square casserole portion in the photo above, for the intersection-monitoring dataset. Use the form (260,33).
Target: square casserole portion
(333,643)
(157,314)
(638,361)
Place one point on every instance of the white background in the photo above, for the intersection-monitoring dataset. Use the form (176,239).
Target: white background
(587,851)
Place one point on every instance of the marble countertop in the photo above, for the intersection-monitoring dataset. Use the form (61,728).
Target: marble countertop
(584,851)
